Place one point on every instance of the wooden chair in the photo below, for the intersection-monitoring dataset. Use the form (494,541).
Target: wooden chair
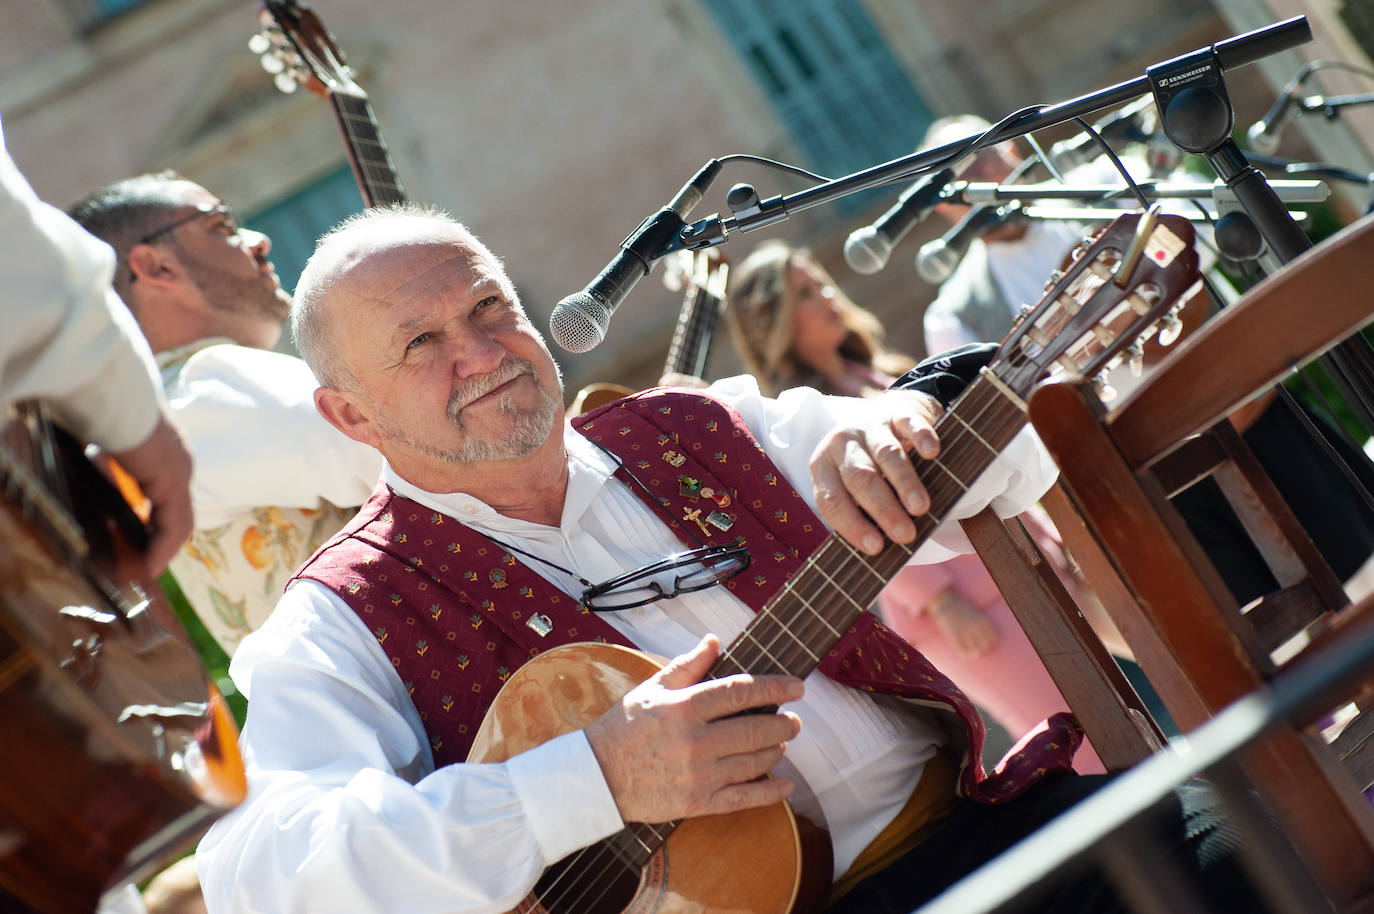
(1201,650)
(1112,715)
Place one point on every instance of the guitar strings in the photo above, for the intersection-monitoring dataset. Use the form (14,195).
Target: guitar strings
(959,466)
(586,873)
(354,113)
(590,863)
(856,571)
(966,454)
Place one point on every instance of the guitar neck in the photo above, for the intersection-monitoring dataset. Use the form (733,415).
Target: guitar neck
(696,325)
(367,152)
(814,609)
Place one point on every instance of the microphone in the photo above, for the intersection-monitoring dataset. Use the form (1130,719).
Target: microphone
(937,259)
(1122,125)
(1264,133)
(579,322)
(867,249)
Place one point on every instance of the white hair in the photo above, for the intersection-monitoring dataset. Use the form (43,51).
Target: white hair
(951,129)
(397,225)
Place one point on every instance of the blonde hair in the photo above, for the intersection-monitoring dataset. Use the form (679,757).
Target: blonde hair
(760,310)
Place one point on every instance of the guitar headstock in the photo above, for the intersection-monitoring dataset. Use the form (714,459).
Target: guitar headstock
(696,270)
(296,48)
(1123,286)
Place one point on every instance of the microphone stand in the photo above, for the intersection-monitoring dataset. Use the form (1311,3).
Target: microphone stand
(1329,105)
(1322,170)
(1236,235)
(979,192)
(749,213)
(1196,115)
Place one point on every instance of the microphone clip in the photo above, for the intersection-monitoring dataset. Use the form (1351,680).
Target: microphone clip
(1194,108)
(655,237)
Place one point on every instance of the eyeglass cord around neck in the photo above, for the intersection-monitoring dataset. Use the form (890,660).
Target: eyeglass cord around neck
(633,478)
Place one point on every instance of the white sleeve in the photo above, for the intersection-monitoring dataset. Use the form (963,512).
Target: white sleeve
(249,418)
(791,426)
(345,811)
(68,339)
(944,331)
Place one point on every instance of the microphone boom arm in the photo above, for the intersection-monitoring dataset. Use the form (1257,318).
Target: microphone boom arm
(1230,53)
(1289,191)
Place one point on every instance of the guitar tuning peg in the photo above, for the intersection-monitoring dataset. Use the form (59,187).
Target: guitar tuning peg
(1171,330)
(1135,359)
(285,83)
(1105,392)
(259,43)
(272,62)
(1054,278)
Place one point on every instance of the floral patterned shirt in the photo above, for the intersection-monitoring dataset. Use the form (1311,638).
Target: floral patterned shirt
(271,481)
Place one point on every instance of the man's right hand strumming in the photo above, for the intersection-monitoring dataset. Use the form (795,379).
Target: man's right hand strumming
(676,746)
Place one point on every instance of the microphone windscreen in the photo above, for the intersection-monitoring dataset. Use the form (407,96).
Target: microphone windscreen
(1261,140)
(866,250)
(935,261)
(578,323)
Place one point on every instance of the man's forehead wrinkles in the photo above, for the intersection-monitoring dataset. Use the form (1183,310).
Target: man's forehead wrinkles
(452,276)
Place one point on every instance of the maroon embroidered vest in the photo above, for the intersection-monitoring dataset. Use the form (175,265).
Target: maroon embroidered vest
(457,614)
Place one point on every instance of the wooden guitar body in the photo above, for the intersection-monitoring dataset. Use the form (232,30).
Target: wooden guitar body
(597,394)
(749,861)
(1114,295)
(118,752)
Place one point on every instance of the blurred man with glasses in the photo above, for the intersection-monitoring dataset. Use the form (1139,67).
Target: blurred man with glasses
(662,522)
(271,479)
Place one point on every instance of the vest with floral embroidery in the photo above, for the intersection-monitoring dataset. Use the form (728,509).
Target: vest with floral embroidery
(457,614)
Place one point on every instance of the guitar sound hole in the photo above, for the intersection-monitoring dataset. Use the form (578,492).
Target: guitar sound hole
(566,888)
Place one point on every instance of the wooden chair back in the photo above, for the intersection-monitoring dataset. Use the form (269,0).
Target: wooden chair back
(1199,649)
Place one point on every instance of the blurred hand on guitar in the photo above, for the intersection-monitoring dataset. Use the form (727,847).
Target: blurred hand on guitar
(161,467)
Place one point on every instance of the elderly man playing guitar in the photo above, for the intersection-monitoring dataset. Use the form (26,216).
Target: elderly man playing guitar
(508,550)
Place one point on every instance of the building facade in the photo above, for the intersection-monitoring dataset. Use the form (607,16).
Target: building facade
(553,129)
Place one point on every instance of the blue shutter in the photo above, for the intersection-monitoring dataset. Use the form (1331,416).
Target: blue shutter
(107,8)
(834,82)
(294,222)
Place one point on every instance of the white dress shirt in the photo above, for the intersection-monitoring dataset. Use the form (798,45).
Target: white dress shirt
(67,337)
(69,341)
(1018,271)
(346,811)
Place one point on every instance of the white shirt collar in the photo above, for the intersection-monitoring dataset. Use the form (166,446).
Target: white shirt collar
(589,468)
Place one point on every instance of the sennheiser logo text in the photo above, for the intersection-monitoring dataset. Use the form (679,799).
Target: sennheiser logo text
(1183,77)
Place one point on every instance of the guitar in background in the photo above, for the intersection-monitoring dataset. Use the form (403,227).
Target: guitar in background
(118,750)
(703,274)
(295,46)
(1118,291)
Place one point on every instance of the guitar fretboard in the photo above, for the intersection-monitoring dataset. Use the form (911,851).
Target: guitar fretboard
(697,324)
(813,610)
(367,152)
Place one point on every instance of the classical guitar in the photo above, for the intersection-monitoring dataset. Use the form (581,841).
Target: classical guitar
(703,274)
(1115,294)
(119,751)
(295,45)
